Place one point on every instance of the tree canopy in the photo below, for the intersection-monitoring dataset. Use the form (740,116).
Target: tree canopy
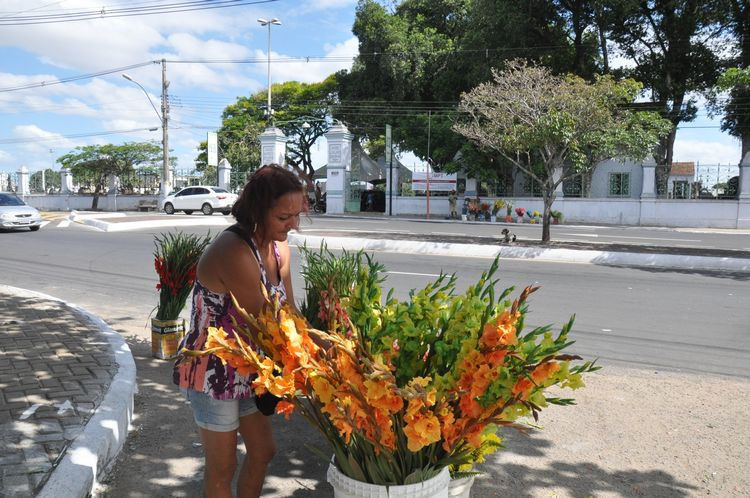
(97,162)
(301,111)
(555,127)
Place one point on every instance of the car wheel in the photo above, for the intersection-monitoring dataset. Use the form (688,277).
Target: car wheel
(188,211)
(225,213)
(169,208)
(34,229)
(207,209)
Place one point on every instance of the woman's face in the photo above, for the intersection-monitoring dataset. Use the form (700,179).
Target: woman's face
(284,216)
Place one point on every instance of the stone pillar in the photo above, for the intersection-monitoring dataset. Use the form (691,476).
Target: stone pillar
(225,173)
(649,179)
(744,183)
(272,146)
(23,181)
(339,168)
(471,187)
(66,181)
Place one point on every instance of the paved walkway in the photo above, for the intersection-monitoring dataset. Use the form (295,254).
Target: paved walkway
(57,365)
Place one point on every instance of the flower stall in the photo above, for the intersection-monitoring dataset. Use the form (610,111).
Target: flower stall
(407,393)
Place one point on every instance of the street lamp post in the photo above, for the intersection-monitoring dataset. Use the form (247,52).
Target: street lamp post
(265,22)
(163,116)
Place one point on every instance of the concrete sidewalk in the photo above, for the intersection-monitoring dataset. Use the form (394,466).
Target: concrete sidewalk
(67,383)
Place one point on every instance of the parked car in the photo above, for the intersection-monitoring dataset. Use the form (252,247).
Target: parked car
(14,213)
(199,198)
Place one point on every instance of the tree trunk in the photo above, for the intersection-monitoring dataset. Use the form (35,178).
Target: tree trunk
(95,200)
(548,194)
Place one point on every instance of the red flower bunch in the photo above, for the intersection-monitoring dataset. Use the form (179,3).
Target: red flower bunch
(520,211)
(175,261)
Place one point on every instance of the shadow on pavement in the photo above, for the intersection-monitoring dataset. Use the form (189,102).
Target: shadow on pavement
(506,476)
(732,275)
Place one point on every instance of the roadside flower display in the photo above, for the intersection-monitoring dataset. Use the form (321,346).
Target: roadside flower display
(403,390)
(176,256)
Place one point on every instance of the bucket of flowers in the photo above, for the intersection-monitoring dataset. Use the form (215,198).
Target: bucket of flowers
(407,392)
(520,212)
(176,256)
(508,212)
(496,207)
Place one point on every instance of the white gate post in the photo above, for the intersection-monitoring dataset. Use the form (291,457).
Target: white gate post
(744,183)
(338,168)
(272,146)
(649,179)
(66,181)
(23,181)
(225,173)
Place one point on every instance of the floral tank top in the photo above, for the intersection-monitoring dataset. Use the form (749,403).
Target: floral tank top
(212,309)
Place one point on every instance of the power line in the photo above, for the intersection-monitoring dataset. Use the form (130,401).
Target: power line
(104,12)
(65,137)
(41,84)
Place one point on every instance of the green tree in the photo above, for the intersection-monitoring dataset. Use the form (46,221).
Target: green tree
(51,179)
(671,46)
(555,127)
(301,111)
(419,56)
(95,163)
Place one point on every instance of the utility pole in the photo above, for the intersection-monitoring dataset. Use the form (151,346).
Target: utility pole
(429,161)
(166,186)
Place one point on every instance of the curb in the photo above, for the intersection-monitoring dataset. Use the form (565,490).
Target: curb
(104,434)
(99,223)
(611,258)
(553,255)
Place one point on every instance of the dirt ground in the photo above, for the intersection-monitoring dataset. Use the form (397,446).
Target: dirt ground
(634,432)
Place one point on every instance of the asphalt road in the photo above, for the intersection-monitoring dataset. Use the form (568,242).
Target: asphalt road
(693,321)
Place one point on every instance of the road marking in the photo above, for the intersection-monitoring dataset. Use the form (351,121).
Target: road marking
(628,237)
(44,224)
(448,233)
(411,273)
(64,224)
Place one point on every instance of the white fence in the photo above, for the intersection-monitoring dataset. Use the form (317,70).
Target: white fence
(633,212)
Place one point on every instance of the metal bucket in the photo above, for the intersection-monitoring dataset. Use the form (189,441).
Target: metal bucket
(165,337)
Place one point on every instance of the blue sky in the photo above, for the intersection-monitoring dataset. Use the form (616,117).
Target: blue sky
(39,124)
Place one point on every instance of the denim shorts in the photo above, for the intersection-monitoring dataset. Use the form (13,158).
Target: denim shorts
(216,414)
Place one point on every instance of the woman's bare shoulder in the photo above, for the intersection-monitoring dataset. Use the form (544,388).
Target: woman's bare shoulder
(227,257)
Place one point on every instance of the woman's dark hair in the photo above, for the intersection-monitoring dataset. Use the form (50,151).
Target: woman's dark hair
(264,188)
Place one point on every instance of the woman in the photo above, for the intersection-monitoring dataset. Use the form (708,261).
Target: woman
(252,252)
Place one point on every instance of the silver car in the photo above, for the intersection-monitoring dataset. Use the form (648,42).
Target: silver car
(14,213)
(199,198)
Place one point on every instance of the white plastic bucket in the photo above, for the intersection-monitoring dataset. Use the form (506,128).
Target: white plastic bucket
(460,488)
(346,487)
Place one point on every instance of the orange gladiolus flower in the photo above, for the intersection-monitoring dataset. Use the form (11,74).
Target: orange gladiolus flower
(523,387)
(286,408)
(422,431)
(544,371)
(470,407)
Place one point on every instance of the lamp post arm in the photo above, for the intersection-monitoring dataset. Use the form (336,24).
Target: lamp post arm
(158,114)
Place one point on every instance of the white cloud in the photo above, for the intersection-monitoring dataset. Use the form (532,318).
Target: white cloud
(707,152)
(329,4)
(313,71)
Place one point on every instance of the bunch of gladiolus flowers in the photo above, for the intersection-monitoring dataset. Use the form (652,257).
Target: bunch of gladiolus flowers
(406,388)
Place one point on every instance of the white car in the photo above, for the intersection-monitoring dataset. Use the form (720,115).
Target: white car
(14,213)
(199,198)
